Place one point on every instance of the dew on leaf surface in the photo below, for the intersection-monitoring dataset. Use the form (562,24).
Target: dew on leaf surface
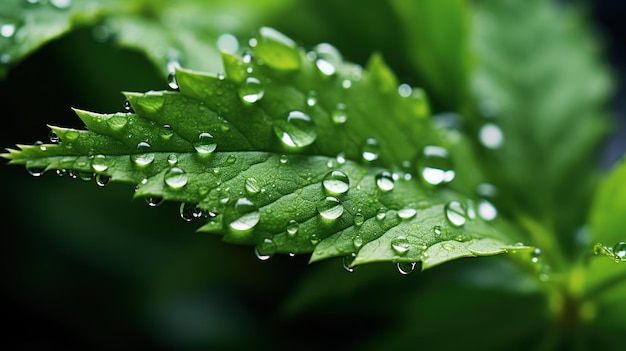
(54,137)
(407,213)
(486,210)
(295,130)
(336,183)
(384,181)
(347,262)
(251,91)
(455,213)
(330,208)
(190,211)
(153,201)
(400,244)
(175,178)
(619,251)
(128,107)
(204,144)
(405,268)
(143,157)
(99,163)
(265,250)
(252,186)
(371,150)
(247,215)
(292,228)
(535,255)
(339,114)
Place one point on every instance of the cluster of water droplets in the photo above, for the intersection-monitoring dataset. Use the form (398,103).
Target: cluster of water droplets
(618,251)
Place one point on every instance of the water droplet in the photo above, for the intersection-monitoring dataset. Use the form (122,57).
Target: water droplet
(455,213)
(99,163)
(381,214)
(252,186)
(172,159)
(228,43)
(359,219)
(407,213)
(619,251)
(341,158)
(371,149)
(167,132)
(171,74)
(61,172)
(190,211)
(175,178)
(85,176)
(296,130)
(35,171)
(283,159)
(117,122)
(292,228)
(358,242)
(41,145)
(437,230)
(491,136)
(405,268)
(435,165)
(339,114)
(336,183)
(265,250)
(144,157)
(400,244)
(346,84)
(487,211)
(8,30)
(311,98)
(72,174)
(54,137)
(102,180)
(327,59)
(330,208)
(128,107)
(384,181)
(314,239)
(535,255)
(61,4)
(405,90)
(277,50)
(247,217)
(205,144)
(153,201)
(347,262)
(251,91)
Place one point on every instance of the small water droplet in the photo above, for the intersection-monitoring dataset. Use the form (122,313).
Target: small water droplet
(346,84)
(54,137)
(407,213)
(128,107)
(99,163)
(265,250)
(400,244)
(85,176)
(283,159)
(491,136)
(35,171)
(251,91)
(357,241)
(327,59)
(171,75)
(247,215)
(41,145)
(61,172)
(297,130)
(455,213)
(619,251)
(435,165)
(61,4)
(190,211)
(384,181)
(381,214)
(371,150)
(330,208)
(347,262)
(359,219)
(311,98)
(72,174)
(102,180)
(252,186)
(437,230)
(292,228)
(167,132)
(204,144)
(172,159)
(405,268)
(8,30)
(153,201)
(228,43)
(341,158)
(175,178)
(405,90)
(535,255)
(144,157)
(340,114)
(336,183)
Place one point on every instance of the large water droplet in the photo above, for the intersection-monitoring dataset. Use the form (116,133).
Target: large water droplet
(205,144)
(435,165)
(330,208)
(327,59)
(487,211)
(292,228)
(384,181)
(99,163)
(336,183)
(251,91)
(407,213)
(277,50)
(405,90)
(455,213)
(265,250)
(190,211)
(405,268)
(491,136)
(247,215)
(619,251)
(400,244)
(143,157)
(35,171)
(175,178)
(371,150)
(8,30)
(228,43)
(252,186)
(340,114)
(296,130)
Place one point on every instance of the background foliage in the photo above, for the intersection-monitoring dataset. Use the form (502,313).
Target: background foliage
(88,268)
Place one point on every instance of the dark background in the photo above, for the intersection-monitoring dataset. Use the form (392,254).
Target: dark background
(114,277)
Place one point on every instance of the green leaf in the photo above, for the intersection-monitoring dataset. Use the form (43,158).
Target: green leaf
(540,82)
(291,151)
